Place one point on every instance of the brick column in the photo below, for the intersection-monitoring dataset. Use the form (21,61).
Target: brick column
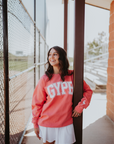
(110,70)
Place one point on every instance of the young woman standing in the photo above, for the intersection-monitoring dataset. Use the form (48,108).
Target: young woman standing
(52,101)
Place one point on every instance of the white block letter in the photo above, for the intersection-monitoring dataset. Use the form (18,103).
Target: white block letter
(63,86)
(51,91)
(70,87)
(57,86)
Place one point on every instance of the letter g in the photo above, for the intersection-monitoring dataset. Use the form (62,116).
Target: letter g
(51,92)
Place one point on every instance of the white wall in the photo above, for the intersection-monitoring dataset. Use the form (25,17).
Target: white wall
(96,21)
(55,12)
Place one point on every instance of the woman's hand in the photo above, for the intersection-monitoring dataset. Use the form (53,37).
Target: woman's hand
(36,130)
(75,113)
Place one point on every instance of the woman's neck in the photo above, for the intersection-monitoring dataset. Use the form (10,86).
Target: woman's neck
(56,70)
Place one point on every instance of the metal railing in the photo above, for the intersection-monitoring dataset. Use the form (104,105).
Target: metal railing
(96,57)
(101,49)
(25,63)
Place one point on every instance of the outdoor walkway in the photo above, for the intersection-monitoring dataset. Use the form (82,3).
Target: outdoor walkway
(97,128)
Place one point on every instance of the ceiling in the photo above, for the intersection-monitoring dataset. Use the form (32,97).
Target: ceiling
(105,4)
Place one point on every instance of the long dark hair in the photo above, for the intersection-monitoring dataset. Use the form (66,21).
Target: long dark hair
(63,63)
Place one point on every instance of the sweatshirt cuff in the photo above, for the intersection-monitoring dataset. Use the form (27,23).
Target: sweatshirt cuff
(79,109)
(35,125)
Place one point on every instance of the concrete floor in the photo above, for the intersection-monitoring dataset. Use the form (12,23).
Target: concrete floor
(97,127)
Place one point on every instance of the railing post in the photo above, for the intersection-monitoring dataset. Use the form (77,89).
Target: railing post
(44,52)
(47,48)
(78,64)
(65,23)
(39,57)
(35,43)
(6,71)
(87,53)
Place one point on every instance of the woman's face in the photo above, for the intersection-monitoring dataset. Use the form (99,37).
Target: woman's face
(53,57)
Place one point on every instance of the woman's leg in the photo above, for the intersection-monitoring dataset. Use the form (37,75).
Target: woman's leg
(49,142)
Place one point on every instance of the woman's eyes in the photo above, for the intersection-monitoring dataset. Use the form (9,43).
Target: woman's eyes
(53,54)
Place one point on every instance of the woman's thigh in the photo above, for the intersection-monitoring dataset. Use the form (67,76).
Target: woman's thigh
(49,142)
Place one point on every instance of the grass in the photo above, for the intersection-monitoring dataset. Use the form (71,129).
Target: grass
(70,60)
(19,65)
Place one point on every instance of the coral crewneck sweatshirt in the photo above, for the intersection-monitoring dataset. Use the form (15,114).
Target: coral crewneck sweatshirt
(52,101)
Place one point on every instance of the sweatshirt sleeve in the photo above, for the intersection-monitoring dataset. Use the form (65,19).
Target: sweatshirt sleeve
(39,97)
(85,101)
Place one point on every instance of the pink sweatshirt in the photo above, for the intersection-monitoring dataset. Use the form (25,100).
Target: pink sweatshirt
(52,101)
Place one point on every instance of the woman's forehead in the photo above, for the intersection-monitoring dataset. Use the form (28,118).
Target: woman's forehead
(53,51)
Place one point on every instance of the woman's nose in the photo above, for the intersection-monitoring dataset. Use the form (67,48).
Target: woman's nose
(51,56)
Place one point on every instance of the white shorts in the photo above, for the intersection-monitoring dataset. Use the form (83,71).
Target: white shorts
(61,135)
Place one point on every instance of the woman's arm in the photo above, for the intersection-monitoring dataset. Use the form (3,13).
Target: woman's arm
(85,101)
(39,97)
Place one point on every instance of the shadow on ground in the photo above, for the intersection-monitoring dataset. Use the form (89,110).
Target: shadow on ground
(99,132)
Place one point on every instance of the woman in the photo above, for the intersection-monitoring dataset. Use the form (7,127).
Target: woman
(52,101)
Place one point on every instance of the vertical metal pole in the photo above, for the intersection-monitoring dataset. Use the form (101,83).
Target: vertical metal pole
(44,50)
(78,64)
(65,23)
(6,71)
(35,43)
(44,53)
(44,32)
(45,19)
(39,58)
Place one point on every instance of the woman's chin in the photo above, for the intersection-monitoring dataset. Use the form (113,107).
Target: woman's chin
(55,65)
